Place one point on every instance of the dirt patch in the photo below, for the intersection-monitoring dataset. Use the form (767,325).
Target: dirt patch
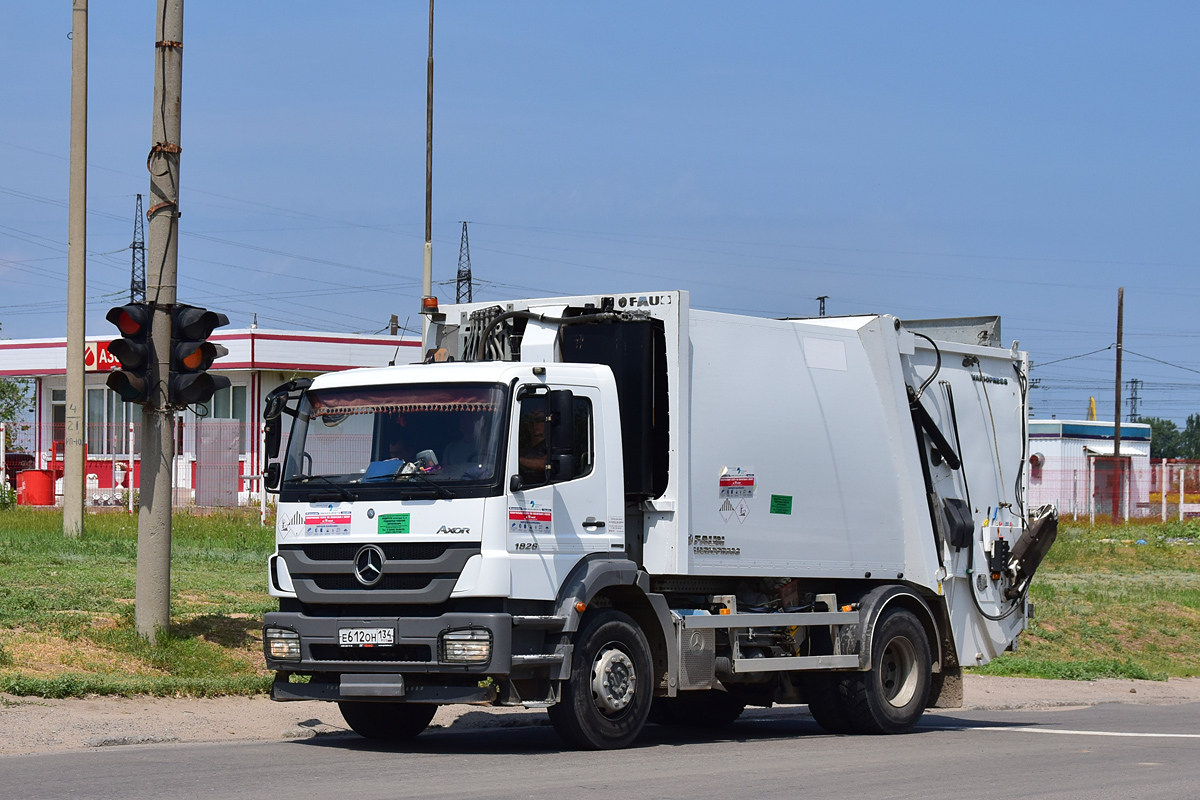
(986,692)
(29,725)
(42,655)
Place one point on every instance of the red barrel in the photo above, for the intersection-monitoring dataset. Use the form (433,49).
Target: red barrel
(35,487)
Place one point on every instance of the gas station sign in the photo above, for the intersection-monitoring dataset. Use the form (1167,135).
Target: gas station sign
(96,358)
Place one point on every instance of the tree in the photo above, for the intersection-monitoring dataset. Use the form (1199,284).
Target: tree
(15,405)
(1189,439)
(1166,440)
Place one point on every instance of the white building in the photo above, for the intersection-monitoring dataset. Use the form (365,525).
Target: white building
(216,449)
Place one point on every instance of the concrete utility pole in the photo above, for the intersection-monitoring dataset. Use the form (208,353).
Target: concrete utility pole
(1118,466)
(74,436)
(427,272)
(152,610)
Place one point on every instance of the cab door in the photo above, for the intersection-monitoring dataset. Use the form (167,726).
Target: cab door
(558,499)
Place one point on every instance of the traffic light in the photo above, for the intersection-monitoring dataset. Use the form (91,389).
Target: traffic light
(132,381)
(192,355)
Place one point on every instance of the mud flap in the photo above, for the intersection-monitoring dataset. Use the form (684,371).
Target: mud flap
(946,689)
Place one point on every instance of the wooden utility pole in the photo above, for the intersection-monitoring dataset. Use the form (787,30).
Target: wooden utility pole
(74,437)
(1118,467)
(152,609)
(427,271)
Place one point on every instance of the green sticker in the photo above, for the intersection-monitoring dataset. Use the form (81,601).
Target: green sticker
(393,523)
(781,504)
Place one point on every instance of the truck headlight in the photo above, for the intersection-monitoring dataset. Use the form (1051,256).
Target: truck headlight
(470,646)
(282,644)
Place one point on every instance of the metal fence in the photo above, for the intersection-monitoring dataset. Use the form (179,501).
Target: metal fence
(216,462)
(1092,486)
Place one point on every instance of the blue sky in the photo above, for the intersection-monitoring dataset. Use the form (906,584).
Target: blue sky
(918,159)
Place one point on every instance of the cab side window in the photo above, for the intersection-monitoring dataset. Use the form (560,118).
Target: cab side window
(534,464)
(532,447)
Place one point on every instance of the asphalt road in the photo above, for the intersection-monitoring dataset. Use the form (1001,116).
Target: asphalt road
(1109,751)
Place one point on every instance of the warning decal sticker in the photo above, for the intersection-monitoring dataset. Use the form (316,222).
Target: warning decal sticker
(535,519)
(737,482)
(327,523)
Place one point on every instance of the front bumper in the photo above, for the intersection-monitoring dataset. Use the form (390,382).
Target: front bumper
(411,669)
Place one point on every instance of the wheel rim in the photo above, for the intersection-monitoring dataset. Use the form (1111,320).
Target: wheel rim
(614,680)
(898,672)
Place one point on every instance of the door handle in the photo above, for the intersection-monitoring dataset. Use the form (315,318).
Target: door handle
(592,522)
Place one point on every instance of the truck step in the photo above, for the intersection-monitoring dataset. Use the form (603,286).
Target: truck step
(539,660)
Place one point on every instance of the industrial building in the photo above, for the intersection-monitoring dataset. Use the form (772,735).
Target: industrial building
(1072,465)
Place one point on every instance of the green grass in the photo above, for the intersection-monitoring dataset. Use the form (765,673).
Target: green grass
(1090,670)
(66,607)
(1107,606)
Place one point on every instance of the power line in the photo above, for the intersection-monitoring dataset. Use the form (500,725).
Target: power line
(1081,355)
(1160,361)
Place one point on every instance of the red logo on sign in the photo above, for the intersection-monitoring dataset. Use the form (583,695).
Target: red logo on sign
(96,358)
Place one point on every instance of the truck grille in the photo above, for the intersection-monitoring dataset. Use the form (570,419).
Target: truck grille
(342,583)
(413,572)
(393,551)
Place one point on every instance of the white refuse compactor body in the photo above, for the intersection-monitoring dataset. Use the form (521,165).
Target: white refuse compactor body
(616,505)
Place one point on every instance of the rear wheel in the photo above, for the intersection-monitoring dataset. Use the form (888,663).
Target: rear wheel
(705,709)
(891,697)
(387,721)
(607,699)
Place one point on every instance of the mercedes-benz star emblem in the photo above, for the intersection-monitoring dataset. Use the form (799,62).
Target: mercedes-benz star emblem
(368,565)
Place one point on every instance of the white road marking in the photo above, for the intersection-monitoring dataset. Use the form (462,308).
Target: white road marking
(1088,733)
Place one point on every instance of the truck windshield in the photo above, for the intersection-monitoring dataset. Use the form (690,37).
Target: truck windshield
(442,435)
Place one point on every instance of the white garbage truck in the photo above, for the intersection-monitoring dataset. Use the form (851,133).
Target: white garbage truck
(623,509)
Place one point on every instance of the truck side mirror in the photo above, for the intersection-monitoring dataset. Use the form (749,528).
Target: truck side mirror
(271,477)
(275,405)
(562,435)
(274,433)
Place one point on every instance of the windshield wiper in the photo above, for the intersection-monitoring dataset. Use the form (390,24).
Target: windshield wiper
(341,490)
(437,487)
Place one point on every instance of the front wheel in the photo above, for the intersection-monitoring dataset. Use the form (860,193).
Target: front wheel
(607,699)
(891,697)
(387,721)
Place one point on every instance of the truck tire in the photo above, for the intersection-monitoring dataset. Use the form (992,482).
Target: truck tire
(607,699)
(704,709)
(822,692)
(891,697)
(387,721)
